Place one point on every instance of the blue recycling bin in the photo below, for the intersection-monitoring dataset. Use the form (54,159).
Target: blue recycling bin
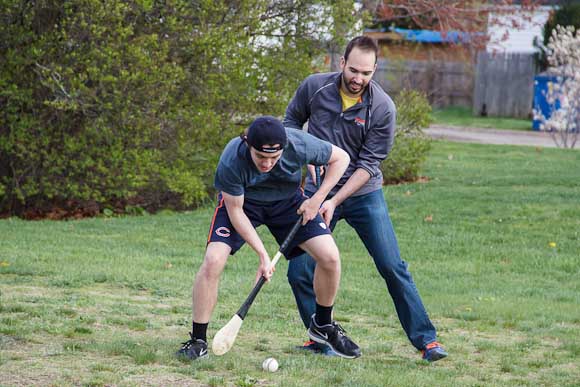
(540,103)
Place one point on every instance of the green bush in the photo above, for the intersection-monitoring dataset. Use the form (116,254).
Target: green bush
(115,104)
(411,144)
(90,103)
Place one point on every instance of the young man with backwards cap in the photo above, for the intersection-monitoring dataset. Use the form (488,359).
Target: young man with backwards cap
(259,176)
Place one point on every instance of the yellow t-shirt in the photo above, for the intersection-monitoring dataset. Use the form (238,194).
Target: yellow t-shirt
(347,101)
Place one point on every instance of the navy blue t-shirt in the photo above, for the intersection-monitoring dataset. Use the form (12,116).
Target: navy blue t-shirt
(237,174)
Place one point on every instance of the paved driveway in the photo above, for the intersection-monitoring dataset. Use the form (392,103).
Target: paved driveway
(491,136)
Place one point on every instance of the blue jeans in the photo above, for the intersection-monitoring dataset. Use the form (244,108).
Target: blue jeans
(369,216)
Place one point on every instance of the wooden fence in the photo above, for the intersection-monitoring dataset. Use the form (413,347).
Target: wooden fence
(504,85)
(444,83)
(499,85)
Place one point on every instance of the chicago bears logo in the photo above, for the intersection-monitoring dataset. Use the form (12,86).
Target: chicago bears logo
(359,121)
(223,232)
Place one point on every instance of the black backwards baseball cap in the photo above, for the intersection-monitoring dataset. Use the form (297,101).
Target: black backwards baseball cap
(265,131)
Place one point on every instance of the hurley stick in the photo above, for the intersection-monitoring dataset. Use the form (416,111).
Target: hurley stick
(224,339)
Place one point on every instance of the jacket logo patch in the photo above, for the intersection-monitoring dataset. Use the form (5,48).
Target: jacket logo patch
(223,232)
(359,121)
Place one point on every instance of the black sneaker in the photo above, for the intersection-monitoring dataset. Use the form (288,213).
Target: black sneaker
(334,336)
(193,349)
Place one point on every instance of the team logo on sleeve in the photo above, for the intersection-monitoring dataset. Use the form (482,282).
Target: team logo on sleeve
(223,232)
(323,225)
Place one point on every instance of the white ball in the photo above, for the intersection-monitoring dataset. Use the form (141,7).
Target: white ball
(270,364)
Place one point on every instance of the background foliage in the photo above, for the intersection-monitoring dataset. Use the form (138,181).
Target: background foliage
(108,102)
(112,106)
(411,144)
(567,14)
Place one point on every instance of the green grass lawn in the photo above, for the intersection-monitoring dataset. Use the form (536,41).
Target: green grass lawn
(492,239)
(460,116)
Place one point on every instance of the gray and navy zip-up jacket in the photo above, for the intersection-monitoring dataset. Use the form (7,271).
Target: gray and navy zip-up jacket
(366,131)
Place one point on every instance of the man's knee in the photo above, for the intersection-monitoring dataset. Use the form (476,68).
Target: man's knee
(324,251)
(392,269)
(329,259)
(213,263)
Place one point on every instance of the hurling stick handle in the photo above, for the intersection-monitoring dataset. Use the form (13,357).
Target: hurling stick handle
(317,173)
(246,305)
(291,234)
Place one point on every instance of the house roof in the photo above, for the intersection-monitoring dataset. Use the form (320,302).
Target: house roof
(419,36)
(426,36)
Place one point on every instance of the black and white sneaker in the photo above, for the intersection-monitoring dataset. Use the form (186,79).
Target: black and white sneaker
(193,349)
(334,336)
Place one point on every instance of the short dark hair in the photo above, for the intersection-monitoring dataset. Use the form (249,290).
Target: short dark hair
(365,43)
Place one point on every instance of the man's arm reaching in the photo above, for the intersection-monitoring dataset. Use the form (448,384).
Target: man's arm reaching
(242,224)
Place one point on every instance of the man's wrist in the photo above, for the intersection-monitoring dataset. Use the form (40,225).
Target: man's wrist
(318,197)
(335,201)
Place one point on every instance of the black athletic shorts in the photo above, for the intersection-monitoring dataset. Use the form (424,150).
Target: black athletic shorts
(278,216)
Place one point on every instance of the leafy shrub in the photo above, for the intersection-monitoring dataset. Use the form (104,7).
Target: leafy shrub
(92,107)
(411,144)
(128,104)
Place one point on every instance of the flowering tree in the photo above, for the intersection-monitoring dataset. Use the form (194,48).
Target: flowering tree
(563,96)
